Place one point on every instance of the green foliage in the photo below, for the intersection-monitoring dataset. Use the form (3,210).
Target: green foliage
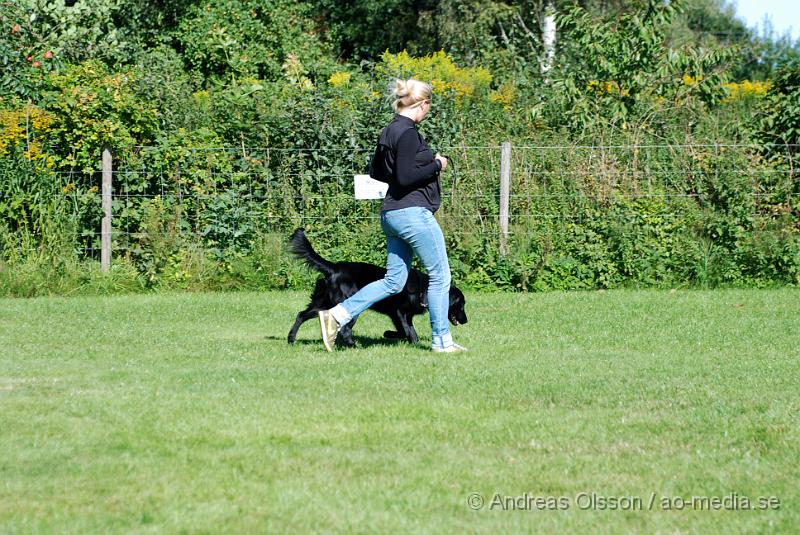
(27,190)
(765,54)
(614,71)
(778,120)
(162,79)
(256,128)
(234,39)
(88,29)
(363,29)
(95,108)
(25,55)
(482,32)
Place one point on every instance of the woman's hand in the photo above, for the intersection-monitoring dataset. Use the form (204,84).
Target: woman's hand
(442,161)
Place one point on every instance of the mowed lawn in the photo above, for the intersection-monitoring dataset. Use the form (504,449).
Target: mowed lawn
(190,413)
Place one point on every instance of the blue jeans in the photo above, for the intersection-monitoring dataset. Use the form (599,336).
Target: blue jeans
(409,231)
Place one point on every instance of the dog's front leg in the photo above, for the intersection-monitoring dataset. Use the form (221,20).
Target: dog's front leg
(405,329)
(399,325)
(346,333)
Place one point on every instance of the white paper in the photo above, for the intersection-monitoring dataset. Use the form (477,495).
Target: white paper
(369,188)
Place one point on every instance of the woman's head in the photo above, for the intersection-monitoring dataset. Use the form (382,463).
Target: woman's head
(410,95)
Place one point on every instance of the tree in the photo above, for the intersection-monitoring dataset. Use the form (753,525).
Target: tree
(364,29)
(548,37)
(610,71)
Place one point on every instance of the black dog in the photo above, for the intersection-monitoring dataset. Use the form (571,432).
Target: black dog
(343,279)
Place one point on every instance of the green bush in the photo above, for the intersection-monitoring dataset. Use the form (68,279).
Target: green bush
(253,130)
(778,120)
(230,40)
(95,108)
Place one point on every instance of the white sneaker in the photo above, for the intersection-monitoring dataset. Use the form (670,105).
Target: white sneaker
(329,327)
(455,348)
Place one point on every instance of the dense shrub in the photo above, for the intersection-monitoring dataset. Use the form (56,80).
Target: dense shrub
(779,119)
(94,109)
(232,123)
(233,39)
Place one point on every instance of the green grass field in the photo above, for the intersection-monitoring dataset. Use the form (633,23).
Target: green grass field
(190,413)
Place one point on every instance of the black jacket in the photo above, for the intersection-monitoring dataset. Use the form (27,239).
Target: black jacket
(415,172)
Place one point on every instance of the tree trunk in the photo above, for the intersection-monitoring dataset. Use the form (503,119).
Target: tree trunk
(548,37)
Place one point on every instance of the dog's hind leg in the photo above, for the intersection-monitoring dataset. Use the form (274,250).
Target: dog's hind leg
(302,317)
(408,325)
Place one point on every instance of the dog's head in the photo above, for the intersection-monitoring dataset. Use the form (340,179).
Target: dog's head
(456,313)
(417,285)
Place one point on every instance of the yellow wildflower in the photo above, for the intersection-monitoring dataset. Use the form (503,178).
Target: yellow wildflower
(691,80)
(504,95)
(440,70)
(746,89)
(339,79)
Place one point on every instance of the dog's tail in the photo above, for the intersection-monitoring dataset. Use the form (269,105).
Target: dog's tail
(301,248)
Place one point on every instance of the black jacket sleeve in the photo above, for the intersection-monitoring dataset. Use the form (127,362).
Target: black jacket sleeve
(406,172)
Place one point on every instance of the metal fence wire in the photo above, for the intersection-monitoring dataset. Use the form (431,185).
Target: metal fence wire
(221,198)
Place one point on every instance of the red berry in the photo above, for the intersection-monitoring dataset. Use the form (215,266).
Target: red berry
(30,58)
(15,29)
(48,54)
(37,63)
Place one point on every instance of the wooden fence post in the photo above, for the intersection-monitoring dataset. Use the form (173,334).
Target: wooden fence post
(105,228)
(505,193)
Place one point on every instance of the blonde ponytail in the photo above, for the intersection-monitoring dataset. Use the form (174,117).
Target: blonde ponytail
(409,93)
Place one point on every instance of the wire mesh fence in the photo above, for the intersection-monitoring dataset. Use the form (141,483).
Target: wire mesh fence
(222,198)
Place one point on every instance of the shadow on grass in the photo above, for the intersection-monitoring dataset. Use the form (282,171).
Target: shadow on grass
(362,342)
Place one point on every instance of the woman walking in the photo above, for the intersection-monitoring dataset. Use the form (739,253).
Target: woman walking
(407,219)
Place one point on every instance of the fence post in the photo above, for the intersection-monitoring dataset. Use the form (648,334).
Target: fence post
(505,193)
(105,228)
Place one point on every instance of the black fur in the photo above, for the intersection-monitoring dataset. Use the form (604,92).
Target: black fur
(340,280)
